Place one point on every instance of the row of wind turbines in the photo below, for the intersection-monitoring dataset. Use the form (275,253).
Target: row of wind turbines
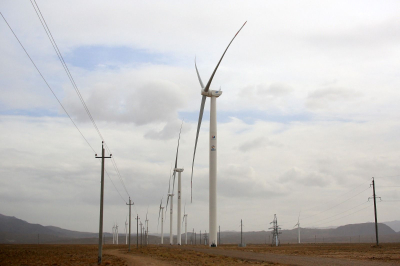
(213,95)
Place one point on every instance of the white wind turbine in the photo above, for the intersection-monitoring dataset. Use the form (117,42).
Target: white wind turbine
(298,227)
(113,230)
(126,231)
(161,211)
(185,220)
(170,195)
(116,233)
(213,94)
(179,170)
(147,228)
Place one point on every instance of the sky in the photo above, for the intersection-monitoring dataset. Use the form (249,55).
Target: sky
(309,111)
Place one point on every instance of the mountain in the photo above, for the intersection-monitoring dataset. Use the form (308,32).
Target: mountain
(14,230)
(395,225)
(353,233)
(17,231)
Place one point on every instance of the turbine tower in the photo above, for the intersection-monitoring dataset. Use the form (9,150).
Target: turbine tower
(185,219)
(147,228)
(116,233)
(171,237)
(126,231)
(298,227)
(171,194)
(161,211)
(113,230)
(213,94)
(178,236)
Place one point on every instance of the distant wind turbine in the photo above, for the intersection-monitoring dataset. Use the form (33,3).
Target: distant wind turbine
(213,94)
(185,220)
(161,211)
(298,227)
(126,231)
(116,233)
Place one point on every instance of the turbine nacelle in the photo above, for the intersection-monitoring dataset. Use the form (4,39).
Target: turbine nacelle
(211,93)
(180,170)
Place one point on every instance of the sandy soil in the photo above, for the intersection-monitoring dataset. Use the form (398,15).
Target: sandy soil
(11,255)
(305,254)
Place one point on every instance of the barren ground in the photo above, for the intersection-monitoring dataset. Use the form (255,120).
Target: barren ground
(305,254)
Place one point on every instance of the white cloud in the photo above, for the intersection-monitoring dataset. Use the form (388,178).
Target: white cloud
(318,80)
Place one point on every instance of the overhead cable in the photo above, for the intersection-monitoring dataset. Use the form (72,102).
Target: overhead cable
(61,58)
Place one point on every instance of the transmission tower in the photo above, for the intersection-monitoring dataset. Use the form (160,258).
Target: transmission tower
(275,231)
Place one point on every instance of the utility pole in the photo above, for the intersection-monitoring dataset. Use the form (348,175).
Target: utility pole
(130,204)
(101,202)
(376,215)
(137,231)
(195,240)
(241,234)
(200,237)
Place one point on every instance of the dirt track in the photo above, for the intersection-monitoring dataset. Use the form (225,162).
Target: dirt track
(157,255)
(289,259)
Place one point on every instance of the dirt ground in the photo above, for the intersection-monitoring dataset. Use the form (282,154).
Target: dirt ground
(11,255)
(304,254)
(387,252)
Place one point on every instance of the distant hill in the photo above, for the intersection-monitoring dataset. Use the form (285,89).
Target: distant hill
(14,230)
(395,225)
(364,232)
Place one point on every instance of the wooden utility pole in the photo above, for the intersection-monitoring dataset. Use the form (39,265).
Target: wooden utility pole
(101,202)
(130,204)
(376,215)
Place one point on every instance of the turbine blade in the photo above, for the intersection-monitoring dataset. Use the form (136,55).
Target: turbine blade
(203,101)
(169,188)
(198,75)
(215,70)
(176,158)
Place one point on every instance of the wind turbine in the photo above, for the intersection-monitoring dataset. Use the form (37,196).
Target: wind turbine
(185,219)
(298,227)
(147,228)
(161,211)
(116,233)
(213,94)
(113,230)
(126,231)
(171,194)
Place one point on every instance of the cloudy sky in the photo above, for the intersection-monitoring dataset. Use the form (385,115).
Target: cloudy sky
(309,112)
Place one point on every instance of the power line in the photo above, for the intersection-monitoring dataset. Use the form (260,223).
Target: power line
(47,84)
(336,204)
(345,215)
(339,213)
(342,194)
(61,58)
(56,97)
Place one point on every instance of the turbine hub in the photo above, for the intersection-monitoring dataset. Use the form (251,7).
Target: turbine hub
(211,93)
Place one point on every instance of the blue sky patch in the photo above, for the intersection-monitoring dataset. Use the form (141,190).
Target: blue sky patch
(32,112)
(91,57)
